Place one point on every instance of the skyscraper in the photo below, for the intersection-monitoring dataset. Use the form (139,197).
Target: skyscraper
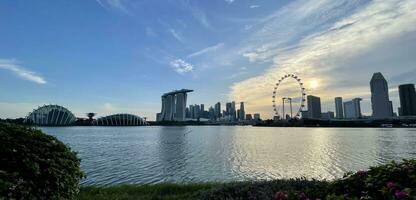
(173,106)
(242,112)
(380,103)
(339,111)
(228,108)
(197,111)
(233,111)
(407,100)
(352,109)
(217,110)
(314,107)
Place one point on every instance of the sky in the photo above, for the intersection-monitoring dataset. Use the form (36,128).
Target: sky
(120,56)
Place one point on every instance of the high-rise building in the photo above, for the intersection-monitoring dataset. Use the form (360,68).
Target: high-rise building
(242,112)
(257,117)
(191,111)
(173,106)
(211,113)
(339,111)
(328,115)
(249,117)
(380,103)
(197,111)
(233,111)
(202,108)
(407,100)
(352,109)
(314,106)
(217,110)
(228,108)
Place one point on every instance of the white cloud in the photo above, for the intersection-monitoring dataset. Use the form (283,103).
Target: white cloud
(351,42)
(229,1)
(254,6)
(201,17)
(114,4)
(13,66)
(206,50)
(176,35)
(181,66)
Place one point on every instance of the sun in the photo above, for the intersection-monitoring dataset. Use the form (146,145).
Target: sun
(314,84)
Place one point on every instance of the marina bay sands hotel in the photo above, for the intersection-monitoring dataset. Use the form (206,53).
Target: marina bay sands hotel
(173,106)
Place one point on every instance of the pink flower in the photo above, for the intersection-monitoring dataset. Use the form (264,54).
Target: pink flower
(400,194)
(302,195)
(280,196)
(391,185)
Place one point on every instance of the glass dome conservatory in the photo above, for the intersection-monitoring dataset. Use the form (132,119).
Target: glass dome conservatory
(51,115)
(120,120)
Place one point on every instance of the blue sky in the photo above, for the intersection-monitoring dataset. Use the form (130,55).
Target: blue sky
(111,56)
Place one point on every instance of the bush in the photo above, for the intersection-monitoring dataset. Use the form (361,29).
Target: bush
(390,181)
(36,166)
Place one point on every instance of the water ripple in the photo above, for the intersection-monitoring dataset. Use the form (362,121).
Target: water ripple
(139,155)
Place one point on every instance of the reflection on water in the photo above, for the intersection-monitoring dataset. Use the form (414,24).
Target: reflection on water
(115,155)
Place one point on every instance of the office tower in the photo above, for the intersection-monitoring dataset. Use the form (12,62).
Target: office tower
(233,111)
(217,110)
(249,117)
(211,113)
(328,115)
(241,112)
(304,114)
(197,111)
(173,106)
(257,117)
(202,108)
(352,109)
(314,106)
(407,100)
(338,108)
(187,113)
(238,114)
(380,103)
(191,111)
(228,107)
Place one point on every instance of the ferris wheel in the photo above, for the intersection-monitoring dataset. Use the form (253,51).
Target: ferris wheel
(299,98)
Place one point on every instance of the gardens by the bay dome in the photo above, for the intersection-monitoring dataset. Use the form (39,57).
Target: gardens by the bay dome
(120,120)
(51,115)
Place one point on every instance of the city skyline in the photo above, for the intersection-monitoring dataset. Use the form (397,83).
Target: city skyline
(118,56)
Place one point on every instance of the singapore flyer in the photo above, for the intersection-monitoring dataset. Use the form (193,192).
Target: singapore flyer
(288,97)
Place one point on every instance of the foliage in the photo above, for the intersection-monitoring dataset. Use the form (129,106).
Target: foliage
(390,181)
(157,191)
(36,166)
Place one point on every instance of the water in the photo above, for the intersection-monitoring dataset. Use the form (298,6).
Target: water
(137,155)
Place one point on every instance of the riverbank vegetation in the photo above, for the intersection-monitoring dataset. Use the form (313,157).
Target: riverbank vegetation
(34,165)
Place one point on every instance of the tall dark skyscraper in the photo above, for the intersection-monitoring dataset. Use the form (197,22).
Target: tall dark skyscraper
(380,103)
(407,100)
(339,110)
(314,107)
(241,112)
(217,110)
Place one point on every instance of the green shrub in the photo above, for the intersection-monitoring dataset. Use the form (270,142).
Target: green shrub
(36,166)
(390,181)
